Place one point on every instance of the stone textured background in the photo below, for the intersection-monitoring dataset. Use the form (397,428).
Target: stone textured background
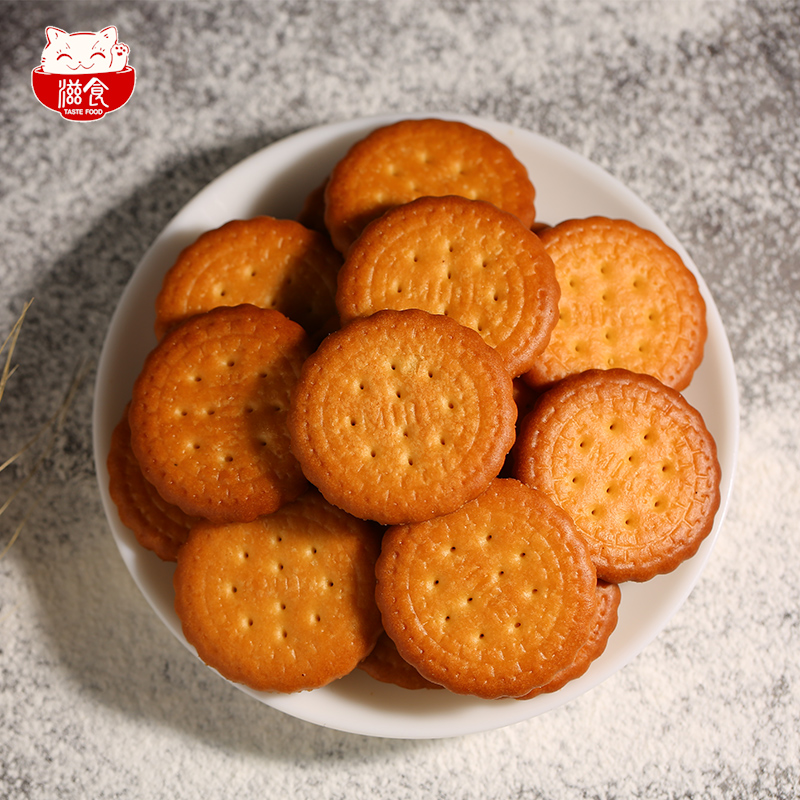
(694,104)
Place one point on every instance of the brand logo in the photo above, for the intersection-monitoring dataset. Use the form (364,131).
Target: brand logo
(84,75)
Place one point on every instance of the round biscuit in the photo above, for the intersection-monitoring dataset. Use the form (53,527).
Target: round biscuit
(463,258)
(284,603)
(312,214)
(157,525)
(627,301)
(402,415)
(491,600)
(633,464)
(208,413)
(400,162)
(268,262)
(608,599)
(385,664)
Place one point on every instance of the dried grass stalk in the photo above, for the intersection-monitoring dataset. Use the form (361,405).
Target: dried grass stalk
(53,425)
(10,343)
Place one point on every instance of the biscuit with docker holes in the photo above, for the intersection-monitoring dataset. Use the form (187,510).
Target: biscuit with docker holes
(463,258)
(385,664)
(284,603)
(415,158)
(208,413)
(491,600)
(627,300)
(633,464)
(608,598)
(268,262)
(157,525)
(402,415)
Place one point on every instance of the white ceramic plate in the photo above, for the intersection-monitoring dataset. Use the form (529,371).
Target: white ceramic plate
(275,181)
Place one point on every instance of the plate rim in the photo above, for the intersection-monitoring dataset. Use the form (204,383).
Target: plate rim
(517,711)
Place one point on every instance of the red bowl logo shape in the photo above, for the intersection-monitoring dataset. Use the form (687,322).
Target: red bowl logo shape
(85,97)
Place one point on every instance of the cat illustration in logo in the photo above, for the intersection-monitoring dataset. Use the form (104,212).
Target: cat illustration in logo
(83,52)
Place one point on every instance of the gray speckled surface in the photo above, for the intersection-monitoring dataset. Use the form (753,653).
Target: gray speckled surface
(693,106)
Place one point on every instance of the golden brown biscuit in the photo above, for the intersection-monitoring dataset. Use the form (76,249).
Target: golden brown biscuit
(491,600)
(158,526)
(631,462)
(422,157)
(627,300)
(284,603)
(312,214)
(540,227)
(208,413)
(525,398)
(608,597)
(268,262)
(463,258)
(385,664)
(402,415)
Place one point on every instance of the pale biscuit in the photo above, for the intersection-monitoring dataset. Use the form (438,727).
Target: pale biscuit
(627,300)
(463,258)
(402,415)
(422,157)
(284,603)
(491,600)
(208,413)
(268,262)
(631,462)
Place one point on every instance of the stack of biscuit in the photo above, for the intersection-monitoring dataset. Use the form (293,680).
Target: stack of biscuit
(416,431)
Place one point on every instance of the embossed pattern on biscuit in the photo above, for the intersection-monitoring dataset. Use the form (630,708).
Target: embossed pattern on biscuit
(627,301)
(418,158)
(463,258)
(284,603)
(631,462)
(491,600)
(157,525)
(208,414)
(402,415)
(268,262)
